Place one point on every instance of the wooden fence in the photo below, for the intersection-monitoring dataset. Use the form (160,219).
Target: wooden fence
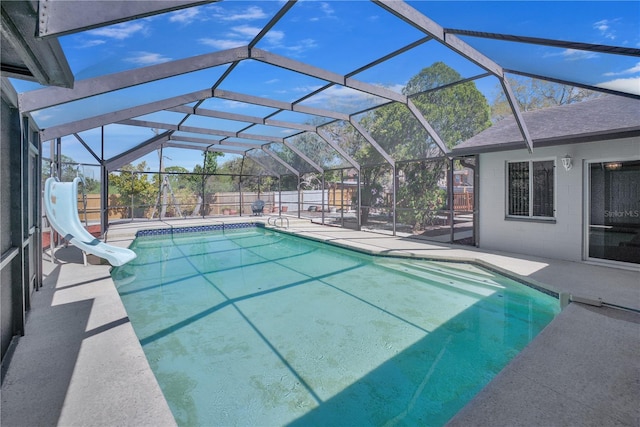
(463,201)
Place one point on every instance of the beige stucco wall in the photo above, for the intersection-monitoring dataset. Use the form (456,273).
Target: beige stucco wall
(564,238)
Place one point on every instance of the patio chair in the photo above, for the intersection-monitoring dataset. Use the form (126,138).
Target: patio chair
(257,207)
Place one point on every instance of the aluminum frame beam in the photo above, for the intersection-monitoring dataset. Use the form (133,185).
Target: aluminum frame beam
(570,83)
(51,96)
(430,130)
(278,105)
(600,48)
(205,131)
(310,70)
(120,115)
(248,155)
(8,91)
(203,148)
(303,156)
(290,125)
(147,124)
(327,138)
(190,129)
(136,152)
(410,15)
(86,146)
(306,159)
(240,118)
(513,102)
(358,127)
(60,17)
(224,142)
(197,111)
(263,138)
(39,60)
(215,143)
(349,82)
(279,160)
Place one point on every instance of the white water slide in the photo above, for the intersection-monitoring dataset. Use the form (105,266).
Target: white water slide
(61,207)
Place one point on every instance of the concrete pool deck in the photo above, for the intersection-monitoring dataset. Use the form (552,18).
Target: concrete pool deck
(80,362)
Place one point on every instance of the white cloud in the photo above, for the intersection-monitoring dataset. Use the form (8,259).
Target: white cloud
(397,87)
(245,31)
(301,46)
(241,36)
(222,43)
(90,43)
(327,9)
(40,116)
(250,13)
(633,70)
(604,28)
(274,37)
(305,89)
(147,58)
(574,55)
(630,85)
(119,31)
(185,16)
(341,98)
(326,12)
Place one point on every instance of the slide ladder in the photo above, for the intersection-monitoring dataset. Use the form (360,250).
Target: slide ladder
(61,207)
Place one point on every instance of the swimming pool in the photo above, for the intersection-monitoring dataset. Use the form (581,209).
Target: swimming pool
(254,327)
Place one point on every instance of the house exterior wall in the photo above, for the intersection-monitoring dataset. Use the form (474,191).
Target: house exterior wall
(11,302)
(563,238)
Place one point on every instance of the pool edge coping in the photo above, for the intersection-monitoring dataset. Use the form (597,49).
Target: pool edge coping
(389,253)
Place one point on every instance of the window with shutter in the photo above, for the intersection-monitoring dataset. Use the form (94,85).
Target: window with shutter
(530,187)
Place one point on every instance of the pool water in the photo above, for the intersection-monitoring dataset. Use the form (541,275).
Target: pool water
(253,327)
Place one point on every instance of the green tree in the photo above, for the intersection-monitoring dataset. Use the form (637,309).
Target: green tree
(69,170)
(533,94)
(456,112)
(131,188)
(253,176)
(210,163)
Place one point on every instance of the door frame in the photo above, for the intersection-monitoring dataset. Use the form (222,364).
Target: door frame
(586,210)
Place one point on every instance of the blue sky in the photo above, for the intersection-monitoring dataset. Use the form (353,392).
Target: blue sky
(342,36)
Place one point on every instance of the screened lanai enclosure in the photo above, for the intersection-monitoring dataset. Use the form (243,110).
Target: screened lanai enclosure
(432,198)
(265,107)
(346,113)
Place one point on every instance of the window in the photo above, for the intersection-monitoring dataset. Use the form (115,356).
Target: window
(530,189)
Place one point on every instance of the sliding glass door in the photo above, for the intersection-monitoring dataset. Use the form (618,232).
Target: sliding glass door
(614,211)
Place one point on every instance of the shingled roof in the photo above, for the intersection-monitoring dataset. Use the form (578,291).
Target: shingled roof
(608,117)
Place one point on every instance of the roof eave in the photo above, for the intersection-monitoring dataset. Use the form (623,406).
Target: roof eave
(40,60)
(608,135)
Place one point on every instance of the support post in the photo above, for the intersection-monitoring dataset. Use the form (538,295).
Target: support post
(342,197)
(323,199)
(38,212)
(104,199)
(280,194)
(476,201)
(359,215)
(450,199)
(393,202)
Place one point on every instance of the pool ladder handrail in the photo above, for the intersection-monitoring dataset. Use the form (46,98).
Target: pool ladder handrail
(275,221)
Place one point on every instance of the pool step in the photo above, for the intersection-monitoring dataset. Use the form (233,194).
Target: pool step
(437,276)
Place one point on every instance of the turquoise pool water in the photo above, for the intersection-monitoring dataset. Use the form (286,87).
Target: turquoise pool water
(253,327)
